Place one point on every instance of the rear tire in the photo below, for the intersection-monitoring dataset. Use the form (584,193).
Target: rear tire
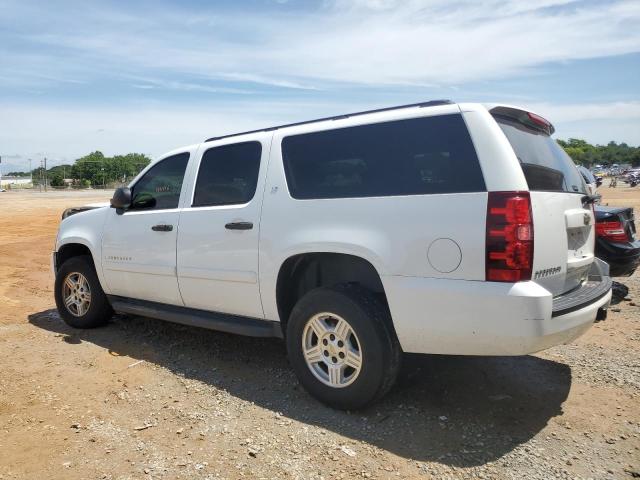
(79,296)
(342,347)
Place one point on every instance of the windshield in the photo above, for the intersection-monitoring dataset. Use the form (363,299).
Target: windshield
(546,166)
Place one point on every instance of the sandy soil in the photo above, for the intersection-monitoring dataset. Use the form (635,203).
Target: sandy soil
(146,399)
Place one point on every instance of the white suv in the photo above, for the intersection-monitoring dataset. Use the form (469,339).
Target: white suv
(436,228)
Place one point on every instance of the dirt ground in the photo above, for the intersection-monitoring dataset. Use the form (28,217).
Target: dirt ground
(142,399)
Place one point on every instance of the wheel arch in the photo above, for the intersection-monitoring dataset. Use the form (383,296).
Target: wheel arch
(73,248)
(302,272)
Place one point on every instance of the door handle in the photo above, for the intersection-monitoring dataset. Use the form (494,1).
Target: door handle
(162,228)
(239,226)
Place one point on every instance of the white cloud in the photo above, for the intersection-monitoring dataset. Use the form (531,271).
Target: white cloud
(68,133)
(593,111)
(344,44)
(372,42)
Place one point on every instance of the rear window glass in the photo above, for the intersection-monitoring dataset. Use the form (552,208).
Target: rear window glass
(545,164)
(407,157)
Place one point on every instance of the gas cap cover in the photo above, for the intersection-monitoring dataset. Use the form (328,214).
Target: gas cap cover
(444,255)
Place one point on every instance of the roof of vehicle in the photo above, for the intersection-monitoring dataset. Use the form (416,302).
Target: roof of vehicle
(431,103)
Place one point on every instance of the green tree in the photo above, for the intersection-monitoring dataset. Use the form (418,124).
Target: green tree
(101,170)
(588,155)
(123,168)
(56,179)
(89,168)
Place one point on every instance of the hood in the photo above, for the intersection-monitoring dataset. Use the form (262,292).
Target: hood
(91,206)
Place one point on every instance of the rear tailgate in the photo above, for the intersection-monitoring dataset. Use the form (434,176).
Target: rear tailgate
(564,234)
(564,241)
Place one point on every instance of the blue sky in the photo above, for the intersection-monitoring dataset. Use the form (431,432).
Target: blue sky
(77,76)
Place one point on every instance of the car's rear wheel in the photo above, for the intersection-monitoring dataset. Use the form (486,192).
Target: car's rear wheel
(342,346)
(79,296)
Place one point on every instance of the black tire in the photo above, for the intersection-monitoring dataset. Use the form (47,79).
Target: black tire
(99,310)
(371,323)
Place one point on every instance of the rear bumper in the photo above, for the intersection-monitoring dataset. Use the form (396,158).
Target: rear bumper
(484,318)
(591,291)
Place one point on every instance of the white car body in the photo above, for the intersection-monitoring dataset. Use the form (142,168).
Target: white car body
(428,250)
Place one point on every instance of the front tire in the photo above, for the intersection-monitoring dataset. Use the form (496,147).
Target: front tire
(342,347)
(79,296)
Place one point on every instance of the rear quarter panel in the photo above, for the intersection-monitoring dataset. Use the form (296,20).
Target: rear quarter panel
(393,233)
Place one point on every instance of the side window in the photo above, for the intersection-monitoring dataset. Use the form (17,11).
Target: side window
(160,187)
(417,156)
(228,175)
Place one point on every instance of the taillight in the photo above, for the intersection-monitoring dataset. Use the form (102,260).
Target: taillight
(538,120)
(509,246)
(613,231)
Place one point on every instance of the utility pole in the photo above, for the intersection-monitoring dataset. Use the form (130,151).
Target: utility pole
(30,173)
(45,174)
(0,173)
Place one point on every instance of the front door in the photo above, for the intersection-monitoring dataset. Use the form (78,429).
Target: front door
(139,245)
(219,231)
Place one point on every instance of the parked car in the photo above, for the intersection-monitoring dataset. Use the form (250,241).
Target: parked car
(590,180)
(632,177)
(436,228)
(616,239)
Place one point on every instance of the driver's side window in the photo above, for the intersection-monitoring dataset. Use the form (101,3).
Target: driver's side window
(160,187)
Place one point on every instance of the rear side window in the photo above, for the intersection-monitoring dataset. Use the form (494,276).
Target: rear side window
(159,188)
(407,157)
(228,175)
(545,164)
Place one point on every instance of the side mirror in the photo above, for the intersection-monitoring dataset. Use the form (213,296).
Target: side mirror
(121,199)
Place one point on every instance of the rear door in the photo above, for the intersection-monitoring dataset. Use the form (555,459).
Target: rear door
(564,234)
(217,255)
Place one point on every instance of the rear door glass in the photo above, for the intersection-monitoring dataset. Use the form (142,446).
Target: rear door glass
(228,175)
(546,166)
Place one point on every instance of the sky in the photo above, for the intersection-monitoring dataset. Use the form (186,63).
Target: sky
(150,76)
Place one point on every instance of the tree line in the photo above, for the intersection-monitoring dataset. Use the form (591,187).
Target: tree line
(93,169)
(589,155)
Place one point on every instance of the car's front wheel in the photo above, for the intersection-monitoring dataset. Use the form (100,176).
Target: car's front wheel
(342,346)
(79,296)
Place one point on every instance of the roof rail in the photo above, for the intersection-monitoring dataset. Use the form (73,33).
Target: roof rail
(431,103)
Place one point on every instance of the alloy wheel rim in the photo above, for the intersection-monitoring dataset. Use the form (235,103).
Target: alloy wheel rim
(332,350)
(76,294)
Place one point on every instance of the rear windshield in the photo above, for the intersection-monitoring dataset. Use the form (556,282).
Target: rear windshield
(545,164)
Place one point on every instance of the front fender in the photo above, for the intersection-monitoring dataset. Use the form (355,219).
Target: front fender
(85,229)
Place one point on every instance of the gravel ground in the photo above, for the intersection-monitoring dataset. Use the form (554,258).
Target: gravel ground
(144,399)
